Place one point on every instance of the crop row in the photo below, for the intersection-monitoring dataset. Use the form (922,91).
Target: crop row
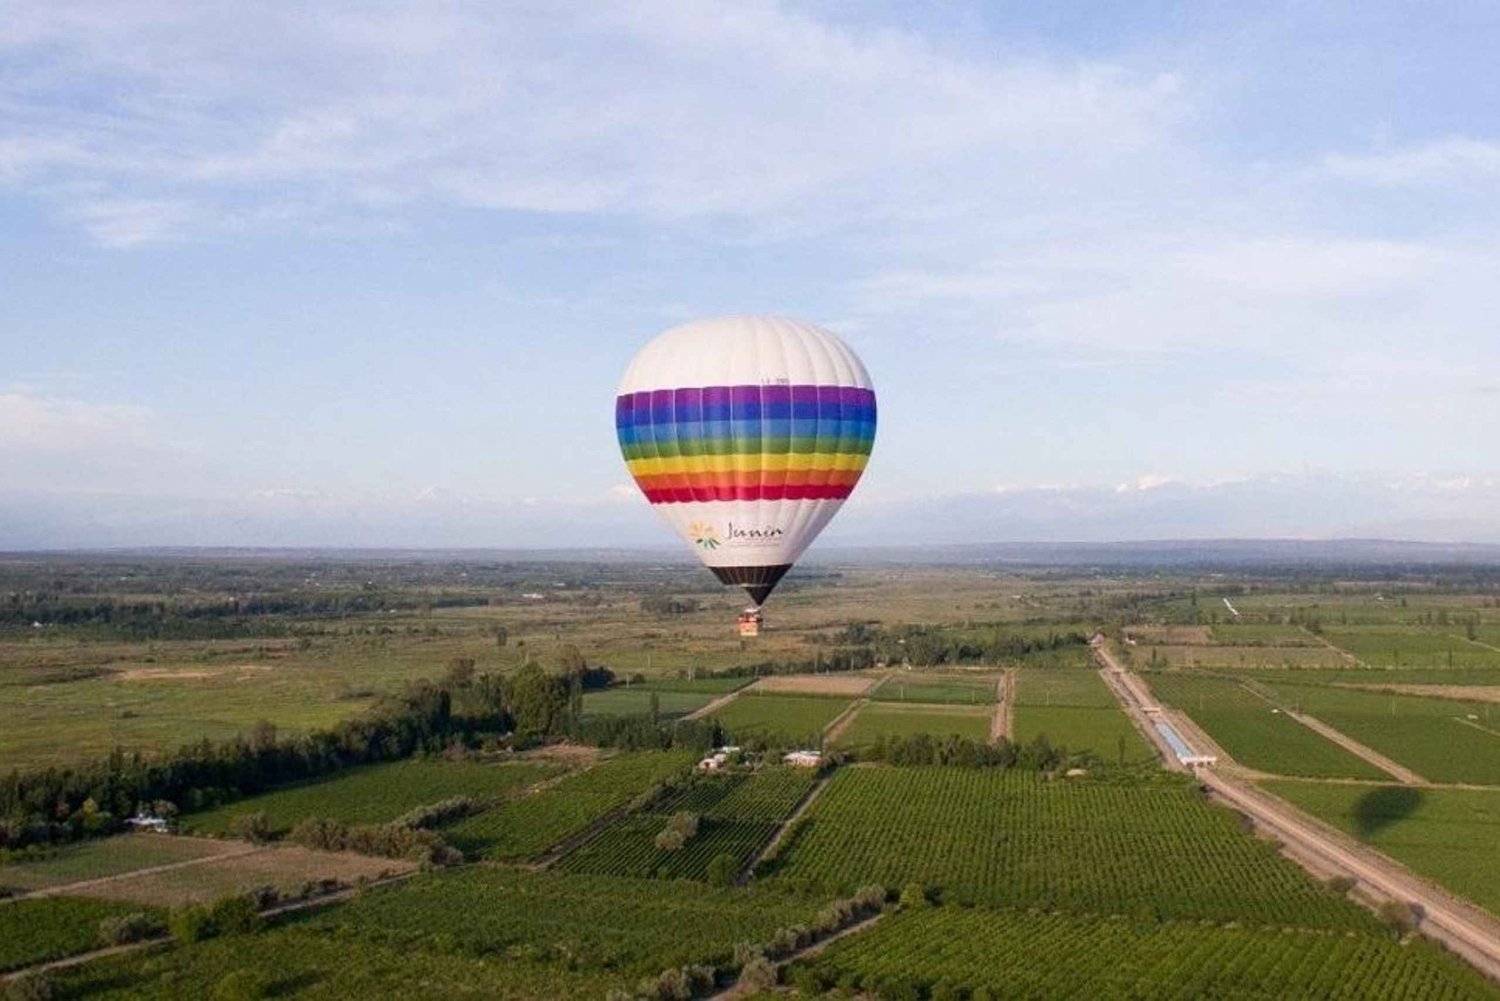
(374,794)
(526,827)
(1015,954)
(628,848)
(1151,849)
(767,794)
(44,928)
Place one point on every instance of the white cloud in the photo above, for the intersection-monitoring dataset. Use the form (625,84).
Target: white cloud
(1443,161)
(31,423)
(745,111)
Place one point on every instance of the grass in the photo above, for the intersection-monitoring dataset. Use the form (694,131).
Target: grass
(1063,688)
(1256,735)
(923,688)
(41,929)
(1410,646)
(373,794)
(795,718)
(105,857)
(1108,733)
(1424,734)
(907,719)
(1450,835)
(523,828)
(636,701)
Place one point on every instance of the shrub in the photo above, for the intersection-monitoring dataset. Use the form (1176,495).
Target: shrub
(122,929)
(253,827)
(236,915)
(190,924)
(914,895)
(759,974)
(33,985)
(321,833)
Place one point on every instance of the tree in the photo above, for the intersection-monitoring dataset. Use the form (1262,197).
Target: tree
(655,706)
(502,636)
(461,672)
(680,829)
(262,736)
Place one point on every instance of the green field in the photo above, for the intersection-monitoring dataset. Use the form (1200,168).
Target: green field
(373,794)
(1063,688)
(1427,735)
(797,719)
(103,857)
(636,701)
(1253,732)
(689,686)
(926,688)
(1410,646)
(1013,838)
(1107,733)
(738,815)
(1451,835)
(1261,634)
(520,829)
(44,928)
(1034,954)
(877,720)
(479,932)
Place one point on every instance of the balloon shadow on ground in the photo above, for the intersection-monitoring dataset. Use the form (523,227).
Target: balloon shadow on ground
(1380,808)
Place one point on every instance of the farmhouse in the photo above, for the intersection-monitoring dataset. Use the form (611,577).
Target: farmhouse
(802,759)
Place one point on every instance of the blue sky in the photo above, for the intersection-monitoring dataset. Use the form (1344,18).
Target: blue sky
(290,274)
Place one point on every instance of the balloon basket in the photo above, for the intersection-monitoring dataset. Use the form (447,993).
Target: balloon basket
(750,622)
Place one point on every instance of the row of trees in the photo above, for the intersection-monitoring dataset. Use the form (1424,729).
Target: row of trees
(464,709)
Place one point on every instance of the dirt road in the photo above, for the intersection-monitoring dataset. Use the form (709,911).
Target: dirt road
(1004,722)
(836,726)
(715,705)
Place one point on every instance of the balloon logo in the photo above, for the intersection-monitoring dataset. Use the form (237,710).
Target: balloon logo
(747,434)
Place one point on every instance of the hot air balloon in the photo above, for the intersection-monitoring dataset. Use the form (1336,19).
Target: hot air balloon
(747,434)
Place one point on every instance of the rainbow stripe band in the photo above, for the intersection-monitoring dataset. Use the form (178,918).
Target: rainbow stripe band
(746,442)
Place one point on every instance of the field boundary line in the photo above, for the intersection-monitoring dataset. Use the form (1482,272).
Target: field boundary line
(1478,726)
(1487,646)
(1371,756)
(785,828)
(715,705)
(68,889)
(841,722)
(1336,649)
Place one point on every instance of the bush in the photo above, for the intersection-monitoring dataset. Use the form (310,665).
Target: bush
(236,915)
(241,985)
(914,895)
(680,829)
(759,974)
(321,833)
(722,869)
(122,929)
(190,924)
(253,827)
(33,985)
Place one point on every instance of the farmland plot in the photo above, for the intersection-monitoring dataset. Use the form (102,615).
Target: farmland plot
(1016,953)
(737,816)
(1254,733)
(908,719)
(936,688)
(1011,837)
(101,857)
(46,928)
(1411,646)
(1434,737)
(1107,733)
(522,828)
(374,794)
(797,719)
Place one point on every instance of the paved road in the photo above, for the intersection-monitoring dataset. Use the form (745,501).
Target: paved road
(1465,929)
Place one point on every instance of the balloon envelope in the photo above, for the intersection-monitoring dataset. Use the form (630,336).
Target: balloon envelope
(746,433)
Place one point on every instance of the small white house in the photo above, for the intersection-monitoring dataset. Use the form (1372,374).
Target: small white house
(146,822)
(718,759)
(802,759)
